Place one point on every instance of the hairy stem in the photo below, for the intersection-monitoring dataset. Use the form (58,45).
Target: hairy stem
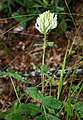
(43,62)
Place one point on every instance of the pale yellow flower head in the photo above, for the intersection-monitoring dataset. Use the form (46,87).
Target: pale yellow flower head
(46,21)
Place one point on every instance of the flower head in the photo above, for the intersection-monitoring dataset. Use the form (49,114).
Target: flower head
(46,21)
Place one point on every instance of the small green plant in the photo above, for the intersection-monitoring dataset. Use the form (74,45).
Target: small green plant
(45,109)
(12,74)
(44,23)
(22,111)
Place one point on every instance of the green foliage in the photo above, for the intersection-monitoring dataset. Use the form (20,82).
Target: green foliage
(52,117)
(3,74)
(51,44)
(43,69)
(10,72)
(26,3)
(29,109)
(51,102)
(48,102)
(3,6)
(22,111)
(79,109)
(41,117)
(12,109)
(68,108)
(48,105)
(15,116)
(14,74)
(20,18)
(62,26)
(6,6)
(51,80)
(79,106)
(49,117)
(33,92)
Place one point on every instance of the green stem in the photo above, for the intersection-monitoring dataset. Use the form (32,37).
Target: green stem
(61,76)
(43,61)
(44,1)
(15,89)
(79,92)
(50,89)
(45,112)
(71,16)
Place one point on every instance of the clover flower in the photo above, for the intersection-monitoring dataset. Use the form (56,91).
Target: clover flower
(46,21)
